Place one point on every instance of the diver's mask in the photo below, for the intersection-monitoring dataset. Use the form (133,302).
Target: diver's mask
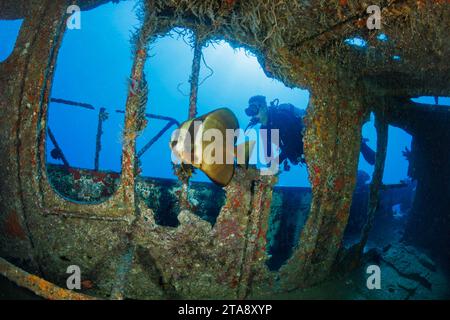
(252,110)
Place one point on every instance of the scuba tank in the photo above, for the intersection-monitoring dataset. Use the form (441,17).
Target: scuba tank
(287,107)
(284,107)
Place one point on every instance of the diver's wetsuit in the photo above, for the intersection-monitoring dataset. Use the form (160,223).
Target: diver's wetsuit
(288,120)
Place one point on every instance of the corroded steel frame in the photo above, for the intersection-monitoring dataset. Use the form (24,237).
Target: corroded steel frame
(227,259)
(121,204)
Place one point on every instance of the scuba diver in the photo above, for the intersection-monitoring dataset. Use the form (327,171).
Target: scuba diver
(289,121)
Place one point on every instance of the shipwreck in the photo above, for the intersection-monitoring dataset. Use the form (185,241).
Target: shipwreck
(119,243)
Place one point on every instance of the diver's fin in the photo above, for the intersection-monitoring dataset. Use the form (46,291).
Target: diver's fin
(243,152)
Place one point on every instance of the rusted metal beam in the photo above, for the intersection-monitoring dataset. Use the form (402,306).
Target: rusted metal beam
(17,9)
(24,77)
(240,233)
(195,75)
(38,286)
(193,98)
(254,254)
(156,116)
(135,112)
(73,103)
(102,117)
(332,143)
(57,147)
(155,138)
(377,180)
(414,117)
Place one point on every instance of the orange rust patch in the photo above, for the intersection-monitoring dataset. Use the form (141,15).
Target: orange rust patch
(87,284)
(236,203)
(361,23)
(339,184)
(261,234)
(228,227)
(234,282)
(316,182)
(230,3)
(13,228)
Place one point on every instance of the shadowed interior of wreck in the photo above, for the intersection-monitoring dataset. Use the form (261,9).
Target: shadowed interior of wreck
(222,249)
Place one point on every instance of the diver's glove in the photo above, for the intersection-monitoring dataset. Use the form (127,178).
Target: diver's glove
(253,122)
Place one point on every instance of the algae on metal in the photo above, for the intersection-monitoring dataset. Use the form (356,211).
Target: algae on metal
(301,43)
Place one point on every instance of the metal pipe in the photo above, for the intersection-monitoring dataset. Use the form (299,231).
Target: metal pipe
(154,139)
(156,116)
(73,103)
(57,147)
(195,75)
(37,285)
(381,127)
(102,117)
(193,97)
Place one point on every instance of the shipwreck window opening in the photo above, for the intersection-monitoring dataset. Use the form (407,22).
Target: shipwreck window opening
(167,69)
(237,76)
(395,199)
(397,193)
(167,72)
(369,137)
(9,32)
(397,165)
(84,131)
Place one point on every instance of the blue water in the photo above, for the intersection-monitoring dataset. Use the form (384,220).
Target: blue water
(9,30)
(94,64)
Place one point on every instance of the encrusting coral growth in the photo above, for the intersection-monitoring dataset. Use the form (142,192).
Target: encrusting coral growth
(303,44)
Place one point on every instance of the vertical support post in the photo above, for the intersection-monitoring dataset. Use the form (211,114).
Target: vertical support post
(254,255)
(240,234)
(332,144)
(193,97)
(134,113)
(133,124)
(25,83)
(381,127)
(195,75)
(102,116)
